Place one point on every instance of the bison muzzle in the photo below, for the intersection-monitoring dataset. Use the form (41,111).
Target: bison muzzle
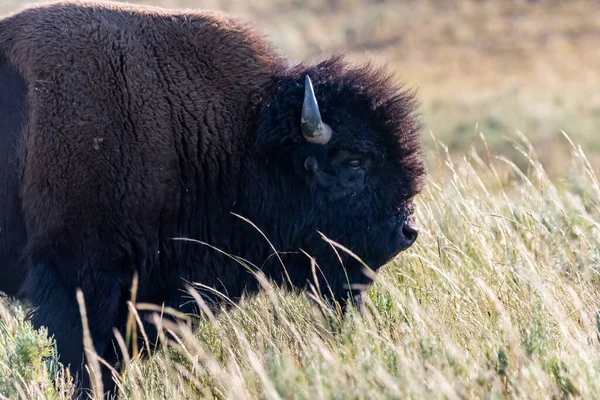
(123,128)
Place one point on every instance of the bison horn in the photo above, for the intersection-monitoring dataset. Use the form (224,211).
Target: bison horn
(313,127)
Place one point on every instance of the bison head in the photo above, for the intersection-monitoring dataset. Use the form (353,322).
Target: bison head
(342,150)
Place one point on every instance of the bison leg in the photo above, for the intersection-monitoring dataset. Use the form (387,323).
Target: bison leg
(13,124)
(53,296)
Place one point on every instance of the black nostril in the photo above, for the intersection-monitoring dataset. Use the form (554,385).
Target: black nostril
(410,233)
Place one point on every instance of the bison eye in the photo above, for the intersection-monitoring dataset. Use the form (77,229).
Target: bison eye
(355,164)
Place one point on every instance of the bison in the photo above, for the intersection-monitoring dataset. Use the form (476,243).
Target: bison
(125,127)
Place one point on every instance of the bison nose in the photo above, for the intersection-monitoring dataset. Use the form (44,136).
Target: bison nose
(409,236)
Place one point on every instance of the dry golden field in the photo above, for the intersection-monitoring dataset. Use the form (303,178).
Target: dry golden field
(480,66)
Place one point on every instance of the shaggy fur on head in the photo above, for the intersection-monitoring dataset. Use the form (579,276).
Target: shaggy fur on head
(369,92)
(370,115)
(143,125)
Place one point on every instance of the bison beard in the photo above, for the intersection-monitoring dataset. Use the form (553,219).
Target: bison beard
(130,126)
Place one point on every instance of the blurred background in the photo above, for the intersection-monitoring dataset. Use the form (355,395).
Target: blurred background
(491,67)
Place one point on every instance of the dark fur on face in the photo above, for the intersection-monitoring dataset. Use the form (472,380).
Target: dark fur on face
(144,125)
(361,207)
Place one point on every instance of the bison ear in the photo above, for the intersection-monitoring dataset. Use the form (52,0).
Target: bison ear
(308,160)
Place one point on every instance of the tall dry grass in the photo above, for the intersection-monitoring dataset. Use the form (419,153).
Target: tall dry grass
(498,299)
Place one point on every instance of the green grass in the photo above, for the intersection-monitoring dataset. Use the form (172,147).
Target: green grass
(499,299)
(28,362)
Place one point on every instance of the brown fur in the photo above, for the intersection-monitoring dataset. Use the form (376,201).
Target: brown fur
(126,78)
(145,124)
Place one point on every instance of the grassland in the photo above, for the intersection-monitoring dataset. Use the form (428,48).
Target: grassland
(499,298)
